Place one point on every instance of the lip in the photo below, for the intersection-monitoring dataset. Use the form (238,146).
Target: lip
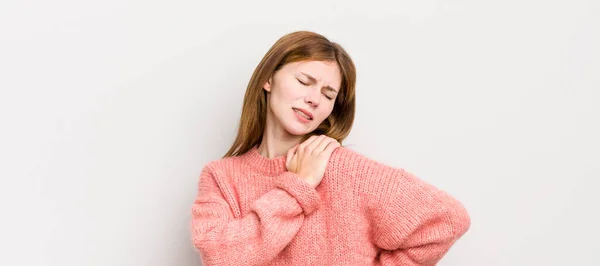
(309,114)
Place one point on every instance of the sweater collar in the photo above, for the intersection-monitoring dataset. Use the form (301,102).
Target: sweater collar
(266,165)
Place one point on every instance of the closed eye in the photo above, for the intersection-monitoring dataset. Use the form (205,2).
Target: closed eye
(326,96)
(301,82)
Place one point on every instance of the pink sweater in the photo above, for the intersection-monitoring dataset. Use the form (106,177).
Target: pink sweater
(251,211)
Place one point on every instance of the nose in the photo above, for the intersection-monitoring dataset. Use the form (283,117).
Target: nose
(313,97)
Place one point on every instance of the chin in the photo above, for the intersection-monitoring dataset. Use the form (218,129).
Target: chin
(297,129)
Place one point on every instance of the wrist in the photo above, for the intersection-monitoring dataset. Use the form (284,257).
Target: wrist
(311,182)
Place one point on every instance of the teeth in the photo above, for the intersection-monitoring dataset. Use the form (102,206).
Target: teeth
(301,113)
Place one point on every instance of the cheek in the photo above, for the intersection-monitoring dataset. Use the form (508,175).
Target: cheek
(288,94)
(325,112)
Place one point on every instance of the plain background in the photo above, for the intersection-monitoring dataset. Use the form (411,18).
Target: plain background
(109,110)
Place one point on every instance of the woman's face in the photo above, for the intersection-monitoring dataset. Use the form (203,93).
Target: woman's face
(301,95)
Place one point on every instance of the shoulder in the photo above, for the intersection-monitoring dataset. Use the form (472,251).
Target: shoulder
(221,166)
(374,177)
(361,164)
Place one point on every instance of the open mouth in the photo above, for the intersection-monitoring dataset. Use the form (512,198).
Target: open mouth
(302,114)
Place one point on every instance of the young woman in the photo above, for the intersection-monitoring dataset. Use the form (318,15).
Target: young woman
(287,192)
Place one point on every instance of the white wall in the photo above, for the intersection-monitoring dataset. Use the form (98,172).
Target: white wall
(109,110)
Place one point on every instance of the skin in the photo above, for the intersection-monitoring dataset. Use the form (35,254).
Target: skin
(289,88)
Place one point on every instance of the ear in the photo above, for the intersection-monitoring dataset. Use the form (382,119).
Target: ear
(267,85)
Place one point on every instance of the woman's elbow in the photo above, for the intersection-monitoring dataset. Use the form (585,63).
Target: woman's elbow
(460,220)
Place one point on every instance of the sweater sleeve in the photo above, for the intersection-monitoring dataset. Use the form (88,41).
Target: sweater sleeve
(256,238)
(418,223)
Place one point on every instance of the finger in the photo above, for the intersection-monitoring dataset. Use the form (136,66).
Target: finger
(313,145)
(303,147)
(309,141)
(323,145)
(294,149)
(290,154)
(331,147)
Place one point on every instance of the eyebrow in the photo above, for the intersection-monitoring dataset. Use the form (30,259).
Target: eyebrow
(315,80)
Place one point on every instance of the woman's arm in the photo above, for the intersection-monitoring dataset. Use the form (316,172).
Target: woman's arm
(261,235)
(418,223)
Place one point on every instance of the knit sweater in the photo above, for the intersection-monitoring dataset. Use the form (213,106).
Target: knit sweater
(251,211)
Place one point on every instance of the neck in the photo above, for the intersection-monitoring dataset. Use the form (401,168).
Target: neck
(276,141)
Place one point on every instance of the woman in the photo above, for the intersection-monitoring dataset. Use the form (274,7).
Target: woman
(287,192)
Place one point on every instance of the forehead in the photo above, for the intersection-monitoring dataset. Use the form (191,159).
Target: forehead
(325,71)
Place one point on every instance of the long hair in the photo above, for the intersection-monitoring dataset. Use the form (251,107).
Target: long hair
(293,47)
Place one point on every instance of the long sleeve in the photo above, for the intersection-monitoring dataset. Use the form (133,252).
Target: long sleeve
(258,237)
(418,223)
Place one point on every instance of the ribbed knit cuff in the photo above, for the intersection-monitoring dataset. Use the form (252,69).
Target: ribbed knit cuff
(307,196)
